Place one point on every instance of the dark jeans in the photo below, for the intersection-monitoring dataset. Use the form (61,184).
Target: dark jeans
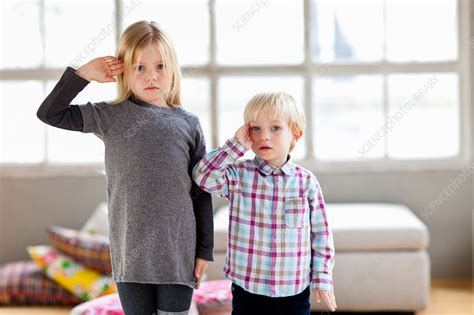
(148,299)
(245,303)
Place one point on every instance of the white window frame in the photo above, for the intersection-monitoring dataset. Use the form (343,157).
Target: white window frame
(307,69)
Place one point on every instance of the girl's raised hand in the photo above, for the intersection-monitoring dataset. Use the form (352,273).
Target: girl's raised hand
(102,69)
(243,136)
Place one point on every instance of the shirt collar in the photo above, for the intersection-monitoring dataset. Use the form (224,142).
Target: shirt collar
(288,168)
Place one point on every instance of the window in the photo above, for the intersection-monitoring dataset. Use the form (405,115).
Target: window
(389,100)
(259,32)
(388,89)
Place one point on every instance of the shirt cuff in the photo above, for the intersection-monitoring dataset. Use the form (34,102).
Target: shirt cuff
(234,148)
(322,281)
(78,80)
(205,254)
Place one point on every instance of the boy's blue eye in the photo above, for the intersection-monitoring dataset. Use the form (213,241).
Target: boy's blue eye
(139,68)
(254,129)
(276,128)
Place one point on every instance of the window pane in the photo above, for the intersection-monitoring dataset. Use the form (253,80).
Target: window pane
(235,92)
(66,146)
(339,34)
(20,34)
(195,98)
(22,132)
(259,32)
(421,30)
(347,112)
(186,22)
(75,33)
(424,114)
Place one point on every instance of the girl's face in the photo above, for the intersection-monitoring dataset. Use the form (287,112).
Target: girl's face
(148,79)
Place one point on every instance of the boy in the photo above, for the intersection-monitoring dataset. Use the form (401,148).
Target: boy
(279,240)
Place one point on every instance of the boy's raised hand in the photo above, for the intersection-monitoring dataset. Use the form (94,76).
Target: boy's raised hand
(102,69)
(243,136)
(327,297)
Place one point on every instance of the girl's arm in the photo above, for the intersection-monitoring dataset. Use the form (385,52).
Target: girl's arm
(56,109)
(215,172)
(202,204)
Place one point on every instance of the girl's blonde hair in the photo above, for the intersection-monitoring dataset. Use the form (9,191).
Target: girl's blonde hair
(280,105)
(131,44)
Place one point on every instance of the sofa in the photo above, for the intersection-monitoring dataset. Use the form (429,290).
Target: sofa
(381,263)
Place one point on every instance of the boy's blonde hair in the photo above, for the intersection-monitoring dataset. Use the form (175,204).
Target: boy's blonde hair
(280,105)
(131,44)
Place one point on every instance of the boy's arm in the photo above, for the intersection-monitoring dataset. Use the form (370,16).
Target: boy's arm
(322,244)
(214,173)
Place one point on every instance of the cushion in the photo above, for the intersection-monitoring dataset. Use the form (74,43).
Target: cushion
(214,297)
(23,283)
(376,226)
(105,305)
(82,282)
(98,223)
(357,227)
(92,251)
(109,305)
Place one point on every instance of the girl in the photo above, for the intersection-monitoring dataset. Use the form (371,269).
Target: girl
(151,145)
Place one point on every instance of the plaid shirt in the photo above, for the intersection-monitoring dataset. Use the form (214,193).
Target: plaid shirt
(279,238)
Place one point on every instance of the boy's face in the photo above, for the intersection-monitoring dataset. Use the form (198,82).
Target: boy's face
(148,79)
(271,138)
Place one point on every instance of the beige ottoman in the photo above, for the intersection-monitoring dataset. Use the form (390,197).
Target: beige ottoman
(381,262)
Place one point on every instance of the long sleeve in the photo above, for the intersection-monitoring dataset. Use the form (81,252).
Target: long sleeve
(322,243)
(202,205)
(56,109)
(214,173)
(204,226)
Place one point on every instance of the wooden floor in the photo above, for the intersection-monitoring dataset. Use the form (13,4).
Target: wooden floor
(448,297)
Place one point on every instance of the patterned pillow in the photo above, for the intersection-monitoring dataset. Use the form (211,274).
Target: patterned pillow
(92,251)
(214,297)
(105,305)
(82,282)
(109,305)
(98,223)
(23,283)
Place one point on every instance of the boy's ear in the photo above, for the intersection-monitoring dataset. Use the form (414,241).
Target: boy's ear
(297,135)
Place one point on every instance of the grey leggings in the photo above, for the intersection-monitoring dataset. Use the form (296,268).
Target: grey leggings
(154,299)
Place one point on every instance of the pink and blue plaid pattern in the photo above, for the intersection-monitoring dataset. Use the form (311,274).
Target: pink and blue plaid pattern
(279,238)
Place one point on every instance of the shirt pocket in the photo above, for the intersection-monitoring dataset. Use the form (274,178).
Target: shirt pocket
(295,213)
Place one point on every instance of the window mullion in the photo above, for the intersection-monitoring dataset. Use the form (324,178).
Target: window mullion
(42,28)
(118,20)
(308,80)
(213,75)
(385,109)
(465,113)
